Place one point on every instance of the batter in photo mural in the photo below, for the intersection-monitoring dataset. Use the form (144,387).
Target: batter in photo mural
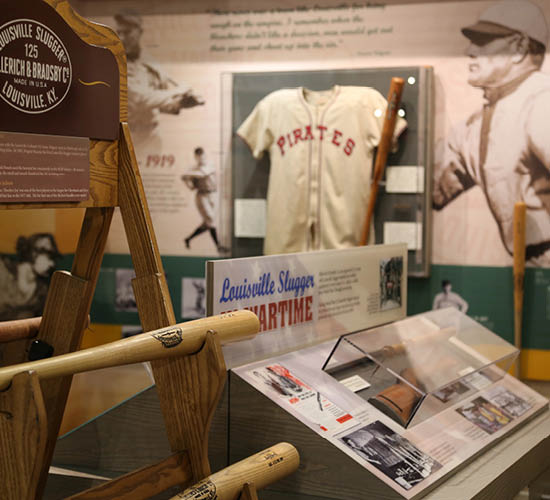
(201,179)
(504,147)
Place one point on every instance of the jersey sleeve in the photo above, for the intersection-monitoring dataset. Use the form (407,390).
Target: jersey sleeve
(378,107)
(537,131)
(451,176)
(256,131)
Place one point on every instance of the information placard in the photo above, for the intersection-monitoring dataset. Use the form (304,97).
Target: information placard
(51,81)
(304,298)
(42,168)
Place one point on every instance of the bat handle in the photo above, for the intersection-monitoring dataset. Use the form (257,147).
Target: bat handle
(520,210)
(19,329)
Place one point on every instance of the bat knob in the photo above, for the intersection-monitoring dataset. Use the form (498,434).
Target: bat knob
(40,350)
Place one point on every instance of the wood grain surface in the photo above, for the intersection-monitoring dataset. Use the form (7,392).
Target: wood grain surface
(261,469)
(66,314)
(23,426)
(192,339)
(143,483)
(19,329)
(384,147)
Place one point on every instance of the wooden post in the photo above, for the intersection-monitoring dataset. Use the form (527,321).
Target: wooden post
(23,434)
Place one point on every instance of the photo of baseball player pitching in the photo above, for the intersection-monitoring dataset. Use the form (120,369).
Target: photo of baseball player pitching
(150,92)
(201,178)
(503,147)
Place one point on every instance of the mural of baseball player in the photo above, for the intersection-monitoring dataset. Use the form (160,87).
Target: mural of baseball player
(504,146)
(448,298)
(150,92)
(201,178)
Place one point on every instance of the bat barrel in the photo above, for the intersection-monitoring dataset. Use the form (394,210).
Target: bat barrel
(178,340)
(262,469)
(384,146)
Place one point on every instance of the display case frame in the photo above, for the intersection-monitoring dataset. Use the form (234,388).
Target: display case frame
(403,209)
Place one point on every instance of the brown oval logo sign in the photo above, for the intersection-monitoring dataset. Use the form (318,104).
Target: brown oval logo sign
(35,67)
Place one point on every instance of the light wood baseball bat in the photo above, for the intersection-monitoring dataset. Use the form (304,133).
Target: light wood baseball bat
(177,340)
(19,329)
(262,469)
(520,210)
(394,99)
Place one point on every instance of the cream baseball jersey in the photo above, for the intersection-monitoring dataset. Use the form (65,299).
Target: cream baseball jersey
(321,149)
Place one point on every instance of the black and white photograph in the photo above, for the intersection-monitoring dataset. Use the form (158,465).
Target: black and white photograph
(391,454)
(502,147)
(513,405)
(484,415)
(125,300)
(451,391)
(447,298)
(200,178)
(25,276)
(151,91)
(391,272)
(193,298)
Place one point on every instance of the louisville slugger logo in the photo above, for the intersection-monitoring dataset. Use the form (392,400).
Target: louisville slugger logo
(204,491)
(169,338)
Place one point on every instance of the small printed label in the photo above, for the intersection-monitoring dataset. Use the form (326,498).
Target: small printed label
(169,338)
(355,383)
(309,403)
(477,381)
(465,371)
(203,491)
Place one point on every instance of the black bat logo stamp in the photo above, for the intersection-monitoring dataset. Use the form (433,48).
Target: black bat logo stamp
(169,338)
(204,491)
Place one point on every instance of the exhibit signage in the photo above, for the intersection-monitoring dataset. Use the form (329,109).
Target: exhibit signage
(468,416)
(42,168)
(51,81)
(304,298)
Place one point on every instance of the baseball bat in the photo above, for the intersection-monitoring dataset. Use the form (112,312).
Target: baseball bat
(262,469)
(19,329)
(520,210)
(177,340)
(384,146)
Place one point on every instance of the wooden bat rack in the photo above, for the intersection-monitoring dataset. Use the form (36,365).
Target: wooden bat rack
(188,387)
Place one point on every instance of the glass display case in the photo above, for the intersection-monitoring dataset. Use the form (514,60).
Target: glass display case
(414,368)
(402,211)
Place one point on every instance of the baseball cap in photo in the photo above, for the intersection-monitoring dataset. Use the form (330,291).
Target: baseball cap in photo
(128,18)
(507,17)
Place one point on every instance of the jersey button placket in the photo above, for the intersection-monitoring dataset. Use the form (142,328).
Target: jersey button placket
(314,185)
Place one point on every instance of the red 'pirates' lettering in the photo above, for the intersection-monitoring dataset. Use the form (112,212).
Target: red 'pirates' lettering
(308,133)
(348,148)
(335,136)
(281,143)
